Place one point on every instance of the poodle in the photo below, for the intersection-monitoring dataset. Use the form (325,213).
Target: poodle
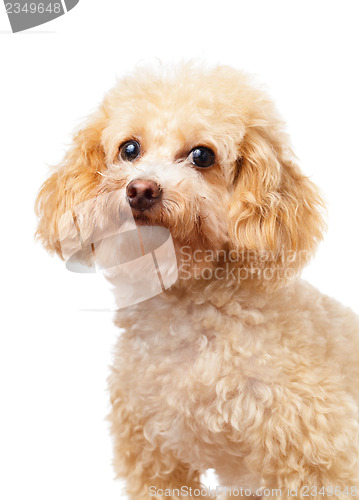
(233,363)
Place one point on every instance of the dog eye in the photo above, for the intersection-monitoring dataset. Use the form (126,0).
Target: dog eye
(130,150)
(202,157)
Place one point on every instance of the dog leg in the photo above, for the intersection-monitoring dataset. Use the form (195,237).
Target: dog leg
(149,471)
(235,480)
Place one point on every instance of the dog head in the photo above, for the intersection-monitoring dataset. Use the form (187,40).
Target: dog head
(200,152)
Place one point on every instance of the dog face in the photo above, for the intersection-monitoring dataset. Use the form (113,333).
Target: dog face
(199,152)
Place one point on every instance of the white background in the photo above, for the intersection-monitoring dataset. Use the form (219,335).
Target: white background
(54,355)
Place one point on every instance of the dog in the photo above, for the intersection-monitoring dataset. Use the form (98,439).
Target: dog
(238,365)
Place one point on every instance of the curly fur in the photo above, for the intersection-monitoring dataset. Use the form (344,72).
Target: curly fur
(256,378)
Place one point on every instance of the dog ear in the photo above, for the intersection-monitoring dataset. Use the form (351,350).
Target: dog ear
(73,182)
(275,211)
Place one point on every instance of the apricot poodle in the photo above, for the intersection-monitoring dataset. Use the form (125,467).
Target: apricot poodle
(235,364)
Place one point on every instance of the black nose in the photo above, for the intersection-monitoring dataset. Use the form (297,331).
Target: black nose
(142,194)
